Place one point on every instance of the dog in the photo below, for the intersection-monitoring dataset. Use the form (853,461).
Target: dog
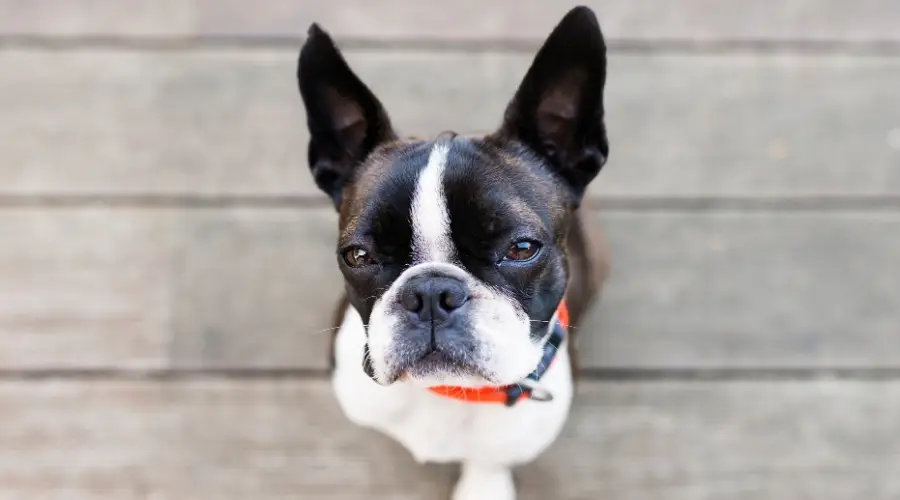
(466,261)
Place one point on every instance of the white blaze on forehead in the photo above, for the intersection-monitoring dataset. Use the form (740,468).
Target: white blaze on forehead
(430,219)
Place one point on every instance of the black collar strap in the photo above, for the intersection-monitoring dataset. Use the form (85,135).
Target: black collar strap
(526,390)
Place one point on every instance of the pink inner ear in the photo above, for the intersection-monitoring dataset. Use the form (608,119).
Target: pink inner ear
(558,103)
(345,113)
(558,110)
(561,100)
(347,118)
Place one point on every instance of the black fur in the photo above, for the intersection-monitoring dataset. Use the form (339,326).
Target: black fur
(346,121)
(558,109)
(523,182)
(491,205)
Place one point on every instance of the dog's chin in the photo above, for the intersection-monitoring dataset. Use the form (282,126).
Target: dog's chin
(437,368)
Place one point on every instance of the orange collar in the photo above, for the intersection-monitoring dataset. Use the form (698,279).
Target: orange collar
(512,394)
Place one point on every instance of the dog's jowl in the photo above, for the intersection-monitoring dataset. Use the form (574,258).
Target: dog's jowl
(465,259)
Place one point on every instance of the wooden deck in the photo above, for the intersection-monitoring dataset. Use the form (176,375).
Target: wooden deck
(166,265)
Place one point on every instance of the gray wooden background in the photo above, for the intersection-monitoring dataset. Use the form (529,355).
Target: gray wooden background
(166,266)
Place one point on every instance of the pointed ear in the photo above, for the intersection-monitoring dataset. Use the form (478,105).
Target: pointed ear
(346,121)
(558,109)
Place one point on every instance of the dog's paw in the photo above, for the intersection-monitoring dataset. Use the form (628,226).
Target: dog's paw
(485,482)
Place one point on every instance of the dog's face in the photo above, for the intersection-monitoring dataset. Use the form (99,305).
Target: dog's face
(453,249)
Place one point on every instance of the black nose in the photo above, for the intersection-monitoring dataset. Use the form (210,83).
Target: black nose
(433,298)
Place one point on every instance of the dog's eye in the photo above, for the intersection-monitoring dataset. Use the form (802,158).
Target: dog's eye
(522,251)
(357,257)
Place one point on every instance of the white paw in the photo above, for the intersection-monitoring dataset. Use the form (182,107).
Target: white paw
(485,482)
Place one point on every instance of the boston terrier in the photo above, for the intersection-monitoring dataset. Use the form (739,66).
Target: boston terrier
(466,261)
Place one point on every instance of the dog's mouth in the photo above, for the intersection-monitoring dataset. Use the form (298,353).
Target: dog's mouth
(436,361)
(437,366)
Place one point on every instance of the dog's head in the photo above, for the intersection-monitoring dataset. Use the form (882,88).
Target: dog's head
(453,249)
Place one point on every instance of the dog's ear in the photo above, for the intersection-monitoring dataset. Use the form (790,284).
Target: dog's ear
(346,121)
(558,109)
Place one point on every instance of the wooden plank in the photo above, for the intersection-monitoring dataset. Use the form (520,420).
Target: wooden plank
(731,290)
(528,20)
(254,288)
(95,17)
(83,289)
(231,122)
(132,288)
(828,440)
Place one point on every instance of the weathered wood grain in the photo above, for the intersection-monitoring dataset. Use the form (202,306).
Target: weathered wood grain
(731,290)
(464,20)
(126,288)
(287,439)
(94,17)
(231,122)
(254,288)
(84,288)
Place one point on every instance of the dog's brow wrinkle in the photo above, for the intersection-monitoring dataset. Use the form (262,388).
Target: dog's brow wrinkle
(431,220)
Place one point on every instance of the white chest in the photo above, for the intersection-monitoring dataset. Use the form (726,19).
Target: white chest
(438,429)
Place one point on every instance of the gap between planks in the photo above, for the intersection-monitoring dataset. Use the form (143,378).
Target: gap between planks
(799,203)
(647,375)
(617,45)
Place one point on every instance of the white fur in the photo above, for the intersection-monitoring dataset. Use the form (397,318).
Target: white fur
(507,351)
(430,220)
(481,481)
(504,329)
(487,438)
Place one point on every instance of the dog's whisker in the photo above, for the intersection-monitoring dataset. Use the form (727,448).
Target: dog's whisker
(324,330)
(569,327)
